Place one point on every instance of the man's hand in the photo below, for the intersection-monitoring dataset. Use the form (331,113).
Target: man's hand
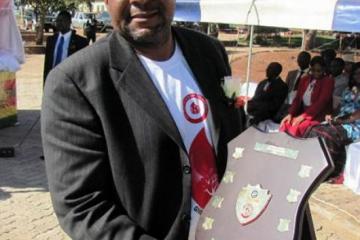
(286,119)
(241,101)
(298,120)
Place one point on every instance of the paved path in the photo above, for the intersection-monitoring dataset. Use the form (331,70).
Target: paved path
(25,206)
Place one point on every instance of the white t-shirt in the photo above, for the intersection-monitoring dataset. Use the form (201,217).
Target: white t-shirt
(191,112)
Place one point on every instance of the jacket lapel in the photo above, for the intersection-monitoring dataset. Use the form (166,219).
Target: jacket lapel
(52,50)
(129,75)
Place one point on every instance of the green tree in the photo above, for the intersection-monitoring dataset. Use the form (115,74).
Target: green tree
(42,7)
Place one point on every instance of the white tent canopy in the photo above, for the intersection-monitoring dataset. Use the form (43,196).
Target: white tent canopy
(335,15)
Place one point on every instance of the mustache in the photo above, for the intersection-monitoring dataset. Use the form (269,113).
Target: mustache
(148,6)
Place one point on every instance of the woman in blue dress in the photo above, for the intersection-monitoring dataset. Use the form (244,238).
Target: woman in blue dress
(344,128)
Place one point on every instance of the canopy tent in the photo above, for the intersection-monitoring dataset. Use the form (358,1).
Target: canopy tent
(332,15)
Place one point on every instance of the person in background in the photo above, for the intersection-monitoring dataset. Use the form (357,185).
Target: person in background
(312,102)
(343,128)
(269,95)
(292,81)
(349,63)
(328,55)
(90,29)
(341,80)
(63,44)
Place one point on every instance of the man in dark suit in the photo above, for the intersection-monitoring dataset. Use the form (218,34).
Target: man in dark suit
(64,43)
(292,80)
(269,95)
(135,128)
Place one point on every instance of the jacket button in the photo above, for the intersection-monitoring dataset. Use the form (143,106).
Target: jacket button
(186,169)
(186,217)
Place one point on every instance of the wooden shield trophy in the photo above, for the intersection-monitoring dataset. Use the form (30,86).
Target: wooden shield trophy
(267,182)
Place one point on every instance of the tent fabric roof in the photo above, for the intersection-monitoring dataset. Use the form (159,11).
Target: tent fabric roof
(334,15)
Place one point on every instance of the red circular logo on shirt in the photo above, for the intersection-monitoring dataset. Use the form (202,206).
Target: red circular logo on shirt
(195,108)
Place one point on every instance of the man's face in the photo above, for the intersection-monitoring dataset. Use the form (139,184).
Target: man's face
(303,61)
(142,22)
(271,71)
(63,24)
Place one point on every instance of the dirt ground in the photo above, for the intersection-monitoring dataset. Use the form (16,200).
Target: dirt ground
(260,60)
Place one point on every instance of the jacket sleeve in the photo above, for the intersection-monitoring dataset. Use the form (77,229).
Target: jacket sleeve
(319,106)
(288,77)
(77,166)
(47,65)
(83,43)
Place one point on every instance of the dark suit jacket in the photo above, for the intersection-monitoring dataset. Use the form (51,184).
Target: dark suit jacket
(115,161)
(321,99)
(76,43)
(290,79)
(265,104)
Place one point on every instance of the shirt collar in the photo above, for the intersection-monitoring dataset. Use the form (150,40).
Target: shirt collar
(273,79)
(66,35)
(304,71)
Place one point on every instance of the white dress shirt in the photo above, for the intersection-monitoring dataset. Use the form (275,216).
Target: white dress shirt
(292,92)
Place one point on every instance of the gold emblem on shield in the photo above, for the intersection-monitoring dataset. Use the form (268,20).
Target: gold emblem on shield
(252,201)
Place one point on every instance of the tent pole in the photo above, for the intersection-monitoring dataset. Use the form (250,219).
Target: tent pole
(251,41)
(303,40)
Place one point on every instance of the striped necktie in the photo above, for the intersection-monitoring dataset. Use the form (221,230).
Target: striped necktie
(59,51)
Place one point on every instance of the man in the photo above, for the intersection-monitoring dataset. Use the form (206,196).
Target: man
(292,81)
(64,43)
(269,95)
(90,29)
(341,80)
(328,55)
(349,63)
(135,128)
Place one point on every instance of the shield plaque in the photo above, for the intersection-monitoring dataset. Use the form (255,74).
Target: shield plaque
(268,179)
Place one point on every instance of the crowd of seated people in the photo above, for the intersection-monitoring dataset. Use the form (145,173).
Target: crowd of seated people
(292,81)
(321,98)
(344,127)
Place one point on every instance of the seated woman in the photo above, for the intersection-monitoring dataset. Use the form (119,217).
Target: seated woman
(313,100)
(345,127)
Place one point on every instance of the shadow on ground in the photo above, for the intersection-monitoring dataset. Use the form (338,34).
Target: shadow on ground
(26,171)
